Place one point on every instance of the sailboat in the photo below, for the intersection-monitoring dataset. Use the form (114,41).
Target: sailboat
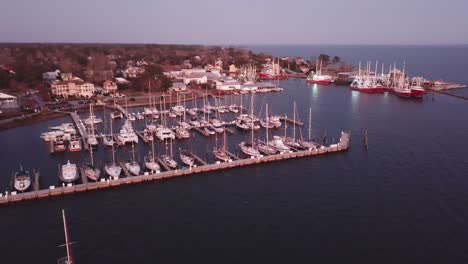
(92,140)
(107,140)
(266,148)
(92,119)
(132,166)
(291,142)
(221,153)
(112,169)
(22,180)
(186,157)
(68,173)
(90,170)
(68,259)
(168,160)
(249,148)
(150,161)
(308,144)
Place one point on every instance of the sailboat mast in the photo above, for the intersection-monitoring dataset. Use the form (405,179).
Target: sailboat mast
(310,120)
(67,240)
(251,116)
(113,153)
(294,124)
(267,122)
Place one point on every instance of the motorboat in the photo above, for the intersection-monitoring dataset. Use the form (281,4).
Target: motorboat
(22,180)
(68,172)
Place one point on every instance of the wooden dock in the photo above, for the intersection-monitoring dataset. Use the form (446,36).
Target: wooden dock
(342,145)
(84,179)
(140,135)
(163,164)
(201,131)
(36,185)
(290,121)
(81,129)
(450,94)
(121,109)
(198,159)
(124,169)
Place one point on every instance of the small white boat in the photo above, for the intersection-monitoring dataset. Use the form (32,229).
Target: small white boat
(172,114)
(92,172)
(92,120)
(113,170)
(133,167)
(170,162)
(92,140)
(22,180)
(278,144)
(266,149)
(74,144)
(234,108)
(151,164)
(181,132)
(221,154)
(68,172)
(249,149)
(186,158)
(116,114)
(108,140)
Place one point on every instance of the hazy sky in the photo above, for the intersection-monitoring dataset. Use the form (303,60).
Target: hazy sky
(236,21)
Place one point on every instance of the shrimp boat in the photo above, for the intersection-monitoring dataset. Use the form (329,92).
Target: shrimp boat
(132,166)
(221,153)
(186,158)
(249,148)
(68,173)
(22,180)
(150,161)
(112,169)
(265,148)
(317,77)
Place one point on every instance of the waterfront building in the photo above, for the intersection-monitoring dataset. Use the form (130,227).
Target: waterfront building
(72,86)
(8,101)
(132,72)
(198,78)
(178,87)
(109,86)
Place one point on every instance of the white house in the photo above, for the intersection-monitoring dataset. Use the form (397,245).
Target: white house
(109,86)
(198,78)
(8,101)
(132,72)
(228,85)
(178,87)
(51,76)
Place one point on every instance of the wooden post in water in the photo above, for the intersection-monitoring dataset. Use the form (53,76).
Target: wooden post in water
(366,142)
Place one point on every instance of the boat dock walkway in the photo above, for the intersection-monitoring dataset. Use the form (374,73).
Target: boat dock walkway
(124,169)
(163,164)
(342,145)
(291,121)
(198,159)
(121,109)
(36,185)
(81,129)
(450,94)
(201,131)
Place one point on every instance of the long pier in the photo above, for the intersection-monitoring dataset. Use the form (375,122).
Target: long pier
(291,121)
(450,94)
(81,129)
(342,145)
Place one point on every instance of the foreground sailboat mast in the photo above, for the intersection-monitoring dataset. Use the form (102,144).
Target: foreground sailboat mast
(67,240)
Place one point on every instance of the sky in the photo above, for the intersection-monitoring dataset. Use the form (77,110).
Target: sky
(237,22)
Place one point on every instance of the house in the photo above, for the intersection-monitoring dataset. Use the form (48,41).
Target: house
(132,72)
(72,86)
(233,68)
(228,85)
(51,76)
(198,78)
(109,86)
(218,64)
(178,87)
(8,101)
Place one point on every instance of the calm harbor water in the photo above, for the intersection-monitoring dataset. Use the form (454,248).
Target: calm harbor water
(403,200)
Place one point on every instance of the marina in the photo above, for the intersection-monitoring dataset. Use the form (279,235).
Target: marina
(342,145)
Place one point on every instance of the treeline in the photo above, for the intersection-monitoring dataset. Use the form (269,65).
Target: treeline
(98,62)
